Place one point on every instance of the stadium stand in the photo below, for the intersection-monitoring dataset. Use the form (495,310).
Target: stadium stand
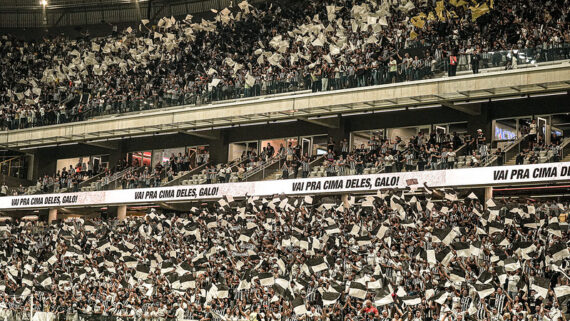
(286,160)
(431,255)
(247,52)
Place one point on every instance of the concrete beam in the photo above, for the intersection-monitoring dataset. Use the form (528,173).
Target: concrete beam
(210,135)
(105,145)
(470,109)
(325,122)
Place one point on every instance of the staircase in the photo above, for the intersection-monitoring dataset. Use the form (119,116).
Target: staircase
(565,147)
(509,153)
(543,155)
(266,170)
(92,179)
(115,180)
(186,177)
(277,174)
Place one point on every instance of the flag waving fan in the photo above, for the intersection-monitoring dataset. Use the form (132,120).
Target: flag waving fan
(330,298)
(357,290)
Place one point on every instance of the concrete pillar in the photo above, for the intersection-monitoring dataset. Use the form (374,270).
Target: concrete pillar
(492,138)
(488,194)
(482,121)
(219,148)
(339,133)
(117,155)
(548,130)
(344,199)
(121,212)
(43,163)
(31,162)
(52,215)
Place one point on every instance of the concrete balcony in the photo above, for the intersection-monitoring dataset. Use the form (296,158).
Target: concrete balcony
(463,93)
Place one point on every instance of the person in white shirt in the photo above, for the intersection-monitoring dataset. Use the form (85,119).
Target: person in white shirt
(451,159)
(388,162)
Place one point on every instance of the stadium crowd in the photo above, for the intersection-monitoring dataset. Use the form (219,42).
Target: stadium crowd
(403,255)
(434,151)
(280,46)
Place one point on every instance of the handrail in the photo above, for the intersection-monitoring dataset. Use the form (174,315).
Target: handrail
(565,148)
(262,167)
(191,172)
(460,148)
(91,179)
(114,177)
(494,158)
(8,160)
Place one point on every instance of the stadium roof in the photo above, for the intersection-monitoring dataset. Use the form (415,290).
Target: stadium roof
(18,14)
(70,4)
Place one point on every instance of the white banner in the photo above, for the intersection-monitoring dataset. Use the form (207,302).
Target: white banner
(483,176)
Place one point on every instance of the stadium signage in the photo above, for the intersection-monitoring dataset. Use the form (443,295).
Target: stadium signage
(483,176)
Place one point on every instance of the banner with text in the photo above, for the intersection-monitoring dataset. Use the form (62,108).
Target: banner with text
(483,176)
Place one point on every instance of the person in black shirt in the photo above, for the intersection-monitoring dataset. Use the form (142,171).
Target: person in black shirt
(456,140)
(398,161)
(469,141)
(475,59)
(500,157)
(519,160)
(270,150)
(359,165)
(285,171)
(422,159)
(480,138)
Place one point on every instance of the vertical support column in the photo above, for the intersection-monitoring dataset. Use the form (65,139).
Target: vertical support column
(339,133)
(219,148)
(344,199)
(117,155)
(547,130)
(121,212)
(30,173)
(52,215)
(492,138)
(488,194)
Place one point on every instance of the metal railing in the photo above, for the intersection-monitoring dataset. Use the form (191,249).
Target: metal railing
(510,151)
(115,178)
(565,148)
(9,167)
(263,167)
